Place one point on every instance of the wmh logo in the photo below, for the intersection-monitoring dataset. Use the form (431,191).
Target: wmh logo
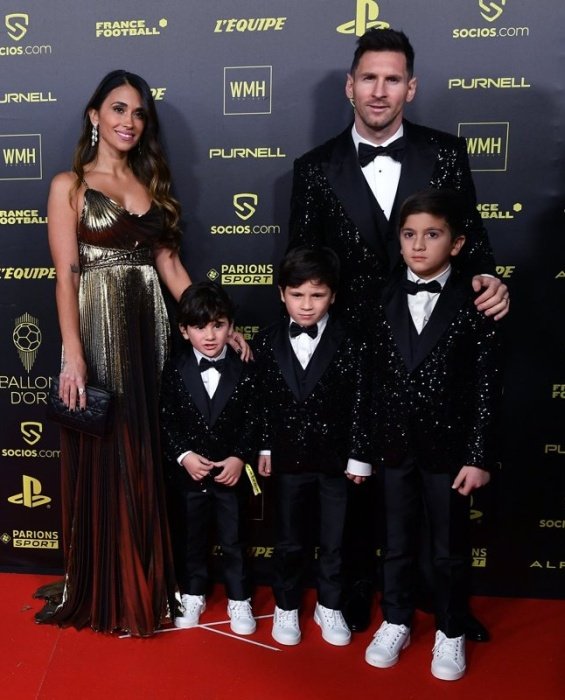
(20,157)
(247,89)
(487,145)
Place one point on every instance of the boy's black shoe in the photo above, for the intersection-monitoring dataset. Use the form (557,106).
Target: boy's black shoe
(475,631)
(357,606)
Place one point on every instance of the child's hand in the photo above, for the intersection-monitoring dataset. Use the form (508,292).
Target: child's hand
(231,471)
(197,466)
(469,479)
(355,479)
(264,465)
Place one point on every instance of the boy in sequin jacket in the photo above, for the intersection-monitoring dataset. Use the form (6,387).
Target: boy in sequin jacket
(437,385)
(313,385)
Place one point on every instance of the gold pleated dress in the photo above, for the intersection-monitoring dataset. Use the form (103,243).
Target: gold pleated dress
(118,566)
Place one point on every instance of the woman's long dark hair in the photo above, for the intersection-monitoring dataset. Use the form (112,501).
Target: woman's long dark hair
(146,160)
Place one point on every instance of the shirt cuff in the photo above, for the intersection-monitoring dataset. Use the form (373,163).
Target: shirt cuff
(357,468)
(266,453)
(183,455)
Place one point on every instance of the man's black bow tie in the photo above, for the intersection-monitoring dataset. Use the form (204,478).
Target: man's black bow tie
(296,330)
(433,287)
(368,153)
(205,364)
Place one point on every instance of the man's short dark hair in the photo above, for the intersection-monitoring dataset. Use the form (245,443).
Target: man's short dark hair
(445,204)
(384,40)
(304,264)
(203,303)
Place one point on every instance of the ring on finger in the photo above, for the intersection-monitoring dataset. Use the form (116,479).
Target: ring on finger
(80,390)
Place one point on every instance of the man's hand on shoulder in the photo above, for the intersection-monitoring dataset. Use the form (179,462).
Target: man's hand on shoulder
(495,298)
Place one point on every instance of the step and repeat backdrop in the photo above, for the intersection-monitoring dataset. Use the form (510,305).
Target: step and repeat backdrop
(242,88)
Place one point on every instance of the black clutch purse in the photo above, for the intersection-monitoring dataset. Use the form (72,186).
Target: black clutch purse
(96,419)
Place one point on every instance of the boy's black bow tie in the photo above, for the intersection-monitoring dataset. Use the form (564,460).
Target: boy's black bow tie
(296,330)
(205,364)
(414,287)
(368,153)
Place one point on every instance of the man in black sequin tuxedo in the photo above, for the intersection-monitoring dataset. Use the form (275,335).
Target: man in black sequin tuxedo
(208,436)
(314,386)
(348,199)
(437,388)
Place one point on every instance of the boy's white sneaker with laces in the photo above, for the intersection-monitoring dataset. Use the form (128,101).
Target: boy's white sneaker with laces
(332,623)
(192,607)
(388,642)
(286,629)
(448,662)
(241,616)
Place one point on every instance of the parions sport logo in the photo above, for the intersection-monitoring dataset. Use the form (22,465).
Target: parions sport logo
(117,29)
(249,274)
(366,17)
(16,26)
(32,539)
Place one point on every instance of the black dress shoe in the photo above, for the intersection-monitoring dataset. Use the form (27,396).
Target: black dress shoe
(46,612)
(357,606)
(475,631)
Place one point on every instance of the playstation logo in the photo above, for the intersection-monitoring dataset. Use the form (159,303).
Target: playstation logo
(366,17)
(30,496)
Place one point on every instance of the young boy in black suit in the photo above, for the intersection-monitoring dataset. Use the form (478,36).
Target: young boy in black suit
(207,435)
(437,384)
(314,389)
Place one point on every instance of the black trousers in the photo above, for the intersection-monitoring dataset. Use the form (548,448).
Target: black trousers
(416,498)
(297,497)
(193,514)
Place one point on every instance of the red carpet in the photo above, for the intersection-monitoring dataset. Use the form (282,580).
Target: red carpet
(525,659)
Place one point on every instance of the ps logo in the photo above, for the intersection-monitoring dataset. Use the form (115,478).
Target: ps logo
(31,495)
(17,24)
(31,431)
(245,204)
(491,11)
(366,17)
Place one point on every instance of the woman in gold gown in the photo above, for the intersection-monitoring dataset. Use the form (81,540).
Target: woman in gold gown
(114,236)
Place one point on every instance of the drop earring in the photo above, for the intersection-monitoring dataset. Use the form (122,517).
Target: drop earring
(94,135)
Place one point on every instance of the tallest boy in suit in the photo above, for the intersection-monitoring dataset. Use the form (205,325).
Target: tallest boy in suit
(346,195)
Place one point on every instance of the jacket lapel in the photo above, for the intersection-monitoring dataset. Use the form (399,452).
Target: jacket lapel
(397,313)
(454,294)
(349,185)
(188,368)
(282,350)
(228,381)
(323,355)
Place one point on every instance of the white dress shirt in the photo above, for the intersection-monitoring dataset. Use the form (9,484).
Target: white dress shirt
(382,173)
(422,304)
(304,346)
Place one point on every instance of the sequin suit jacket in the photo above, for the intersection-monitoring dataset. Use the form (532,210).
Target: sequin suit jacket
(332,204)
(313,422)
(436,394)
(215,428)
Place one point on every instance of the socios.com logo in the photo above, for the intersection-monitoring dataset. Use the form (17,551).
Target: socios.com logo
(366,17)
(245,204)
(30,495)
(491,11)
(31,431)
(16,25)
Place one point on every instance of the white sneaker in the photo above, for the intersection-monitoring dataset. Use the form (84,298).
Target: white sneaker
(286,629)
(448,662)
(334,628)
(241,616)
(192,607)
(388,642)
